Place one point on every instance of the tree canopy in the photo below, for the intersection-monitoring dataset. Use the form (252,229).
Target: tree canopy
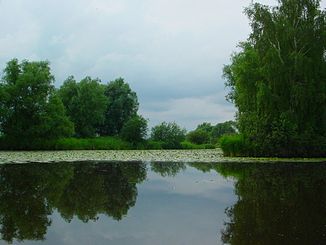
(122,105)
(278,79)
(85,103)
(170,134)
(30,111)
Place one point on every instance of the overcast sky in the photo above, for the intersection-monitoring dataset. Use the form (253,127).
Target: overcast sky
(170,52)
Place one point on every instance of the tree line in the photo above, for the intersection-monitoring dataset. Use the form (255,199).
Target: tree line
(278,82)
(86,114)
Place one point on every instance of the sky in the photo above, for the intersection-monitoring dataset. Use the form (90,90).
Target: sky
(170,52)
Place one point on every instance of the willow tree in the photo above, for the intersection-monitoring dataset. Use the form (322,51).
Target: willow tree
(278,79)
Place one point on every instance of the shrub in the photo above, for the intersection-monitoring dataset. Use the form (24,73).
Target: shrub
(190,146)
(100,143)
(198,137)
(234,145)
(170,134)
(134,130)
(154,145)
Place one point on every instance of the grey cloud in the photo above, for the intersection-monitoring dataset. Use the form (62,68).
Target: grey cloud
(166,50)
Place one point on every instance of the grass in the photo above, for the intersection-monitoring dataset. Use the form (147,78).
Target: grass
(233,145)
(189,146)
(98,143)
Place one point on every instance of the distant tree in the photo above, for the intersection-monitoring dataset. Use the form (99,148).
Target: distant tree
(208,133)
(220,129)
(122,104)
(205,126)
(85,103)
(278,79)
(199,137)
(29,109)
(134,130)
(171,134)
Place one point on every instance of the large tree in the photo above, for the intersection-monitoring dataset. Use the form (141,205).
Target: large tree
(85,103)
(122,106)
(30,112)
(278,79)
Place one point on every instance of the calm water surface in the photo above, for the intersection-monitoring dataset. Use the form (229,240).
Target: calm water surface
(163,203)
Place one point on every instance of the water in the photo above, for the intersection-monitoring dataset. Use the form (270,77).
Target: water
(163,203)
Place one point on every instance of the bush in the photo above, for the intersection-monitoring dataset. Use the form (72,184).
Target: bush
(134,130)
(198,137)
(100,143)
(154,145)
(190,146)
(234,145)
(170,134)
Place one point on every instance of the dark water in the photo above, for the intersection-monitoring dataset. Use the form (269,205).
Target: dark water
(163,203)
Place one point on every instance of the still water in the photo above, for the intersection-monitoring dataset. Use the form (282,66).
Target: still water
(163,203)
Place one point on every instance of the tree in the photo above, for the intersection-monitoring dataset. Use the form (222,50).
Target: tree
(205,126)
(199,136)
(27,105)
(220,129)
(122,104)
(171,134)
(85,103)
(134,130)
(278,79)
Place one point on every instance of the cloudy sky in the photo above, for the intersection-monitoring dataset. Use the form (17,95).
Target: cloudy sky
(170,52)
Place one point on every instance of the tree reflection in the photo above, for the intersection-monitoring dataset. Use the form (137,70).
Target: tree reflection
(277,204)
(30,193)
(101,189)
(26,198)
(167,168)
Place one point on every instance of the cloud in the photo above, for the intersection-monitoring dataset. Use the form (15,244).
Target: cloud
(167,50)
(190,111)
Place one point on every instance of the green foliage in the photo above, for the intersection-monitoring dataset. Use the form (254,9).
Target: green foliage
(122,105)
(234,145)
(134,130)
(206,127)
(98,143)
(170,134)
(154,145)
(29,109)
(278,80)
(190,146)
(208,133)
(85,103)
(220,129)
(198,137)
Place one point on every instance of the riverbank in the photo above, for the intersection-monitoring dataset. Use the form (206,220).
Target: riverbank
(205,155)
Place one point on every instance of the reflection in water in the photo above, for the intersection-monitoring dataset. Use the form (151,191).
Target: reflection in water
(29,194)
(277,204)
(167,168)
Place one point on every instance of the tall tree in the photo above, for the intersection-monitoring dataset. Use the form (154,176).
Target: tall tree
(122,106)
(85,103)
(278,79)
(27,105)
